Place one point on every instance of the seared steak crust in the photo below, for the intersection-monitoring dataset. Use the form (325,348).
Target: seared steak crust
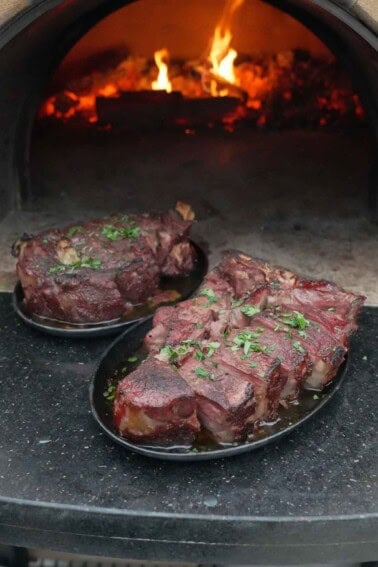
(99,270)
(155,404)
(251,339)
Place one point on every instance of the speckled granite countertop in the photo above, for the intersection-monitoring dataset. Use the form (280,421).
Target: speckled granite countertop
(64,485)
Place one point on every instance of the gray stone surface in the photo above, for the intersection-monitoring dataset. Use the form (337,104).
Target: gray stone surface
(63,485)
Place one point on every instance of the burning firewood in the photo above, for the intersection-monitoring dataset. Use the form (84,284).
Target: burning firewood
(149,110)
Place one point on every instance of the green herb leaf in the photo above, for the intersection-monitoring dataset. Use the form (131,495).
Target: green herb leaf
(169,353)
(132,359)
(302,334)
(253,364)
(86,262)
(297,345)
(55,269)
(236,302)
(110,393)
(315,397)
(247,346)
(250,310)
(201,372)
(113,232)
(199,326)
(249,342)
(132,232)
(211,296)
(296,320)
(211,348)
(74,230)
(199,355)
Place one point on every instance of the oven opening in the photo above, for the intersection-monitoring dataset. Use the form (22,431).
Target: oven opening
(258,118)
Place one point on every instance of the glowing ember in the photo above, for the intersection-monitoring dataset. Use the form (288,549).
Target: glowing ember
(162,83)
(287,89)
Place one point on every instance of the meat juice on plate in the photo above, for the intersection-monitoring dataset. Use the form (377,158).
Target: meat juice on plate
(236,361)
(294,411)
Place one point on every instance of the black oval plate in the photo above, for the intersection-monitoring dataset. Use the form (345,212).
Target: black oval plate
(130,343)
(184,285)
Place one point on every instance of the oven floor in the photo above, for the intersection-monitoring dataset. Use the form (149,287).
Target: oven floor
(293,198)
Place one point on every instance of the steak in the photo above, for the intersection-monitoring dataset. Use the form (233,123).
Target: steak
(323,348)
(225,400)
(99,270)
(154,404)
(250,340)
(323,302)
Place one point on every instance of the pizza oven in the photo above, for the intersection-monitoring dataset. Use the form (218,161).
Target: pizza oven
(263,115)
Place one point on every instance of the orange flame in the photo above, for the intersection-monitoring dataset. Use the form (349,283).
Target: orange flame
(222,56)
(162,83)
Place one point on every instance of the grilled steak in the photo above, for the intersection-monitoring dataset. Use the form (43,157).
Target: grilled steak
(101,269)
(155,404)
(251,339)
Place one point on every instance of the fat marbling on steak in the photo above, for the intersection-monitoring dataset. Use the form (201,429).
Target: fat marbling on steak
(250,340)
(99,270)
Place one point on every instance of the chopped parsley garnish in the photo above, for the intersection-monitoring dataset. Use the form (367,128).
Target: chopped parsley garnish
(302,334)
(56,269)
(297,345)
(315,397)
(86,262)
(199,355)
(73,230)
(277,328)
(211,348)
(249,342)
(250,310)
(236,302)
(295,320)
(110,393)
(114,232)
(169,353)
(211,296)
(206,351)
(201,372)
(199,326)
(253,364)
(132,359)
